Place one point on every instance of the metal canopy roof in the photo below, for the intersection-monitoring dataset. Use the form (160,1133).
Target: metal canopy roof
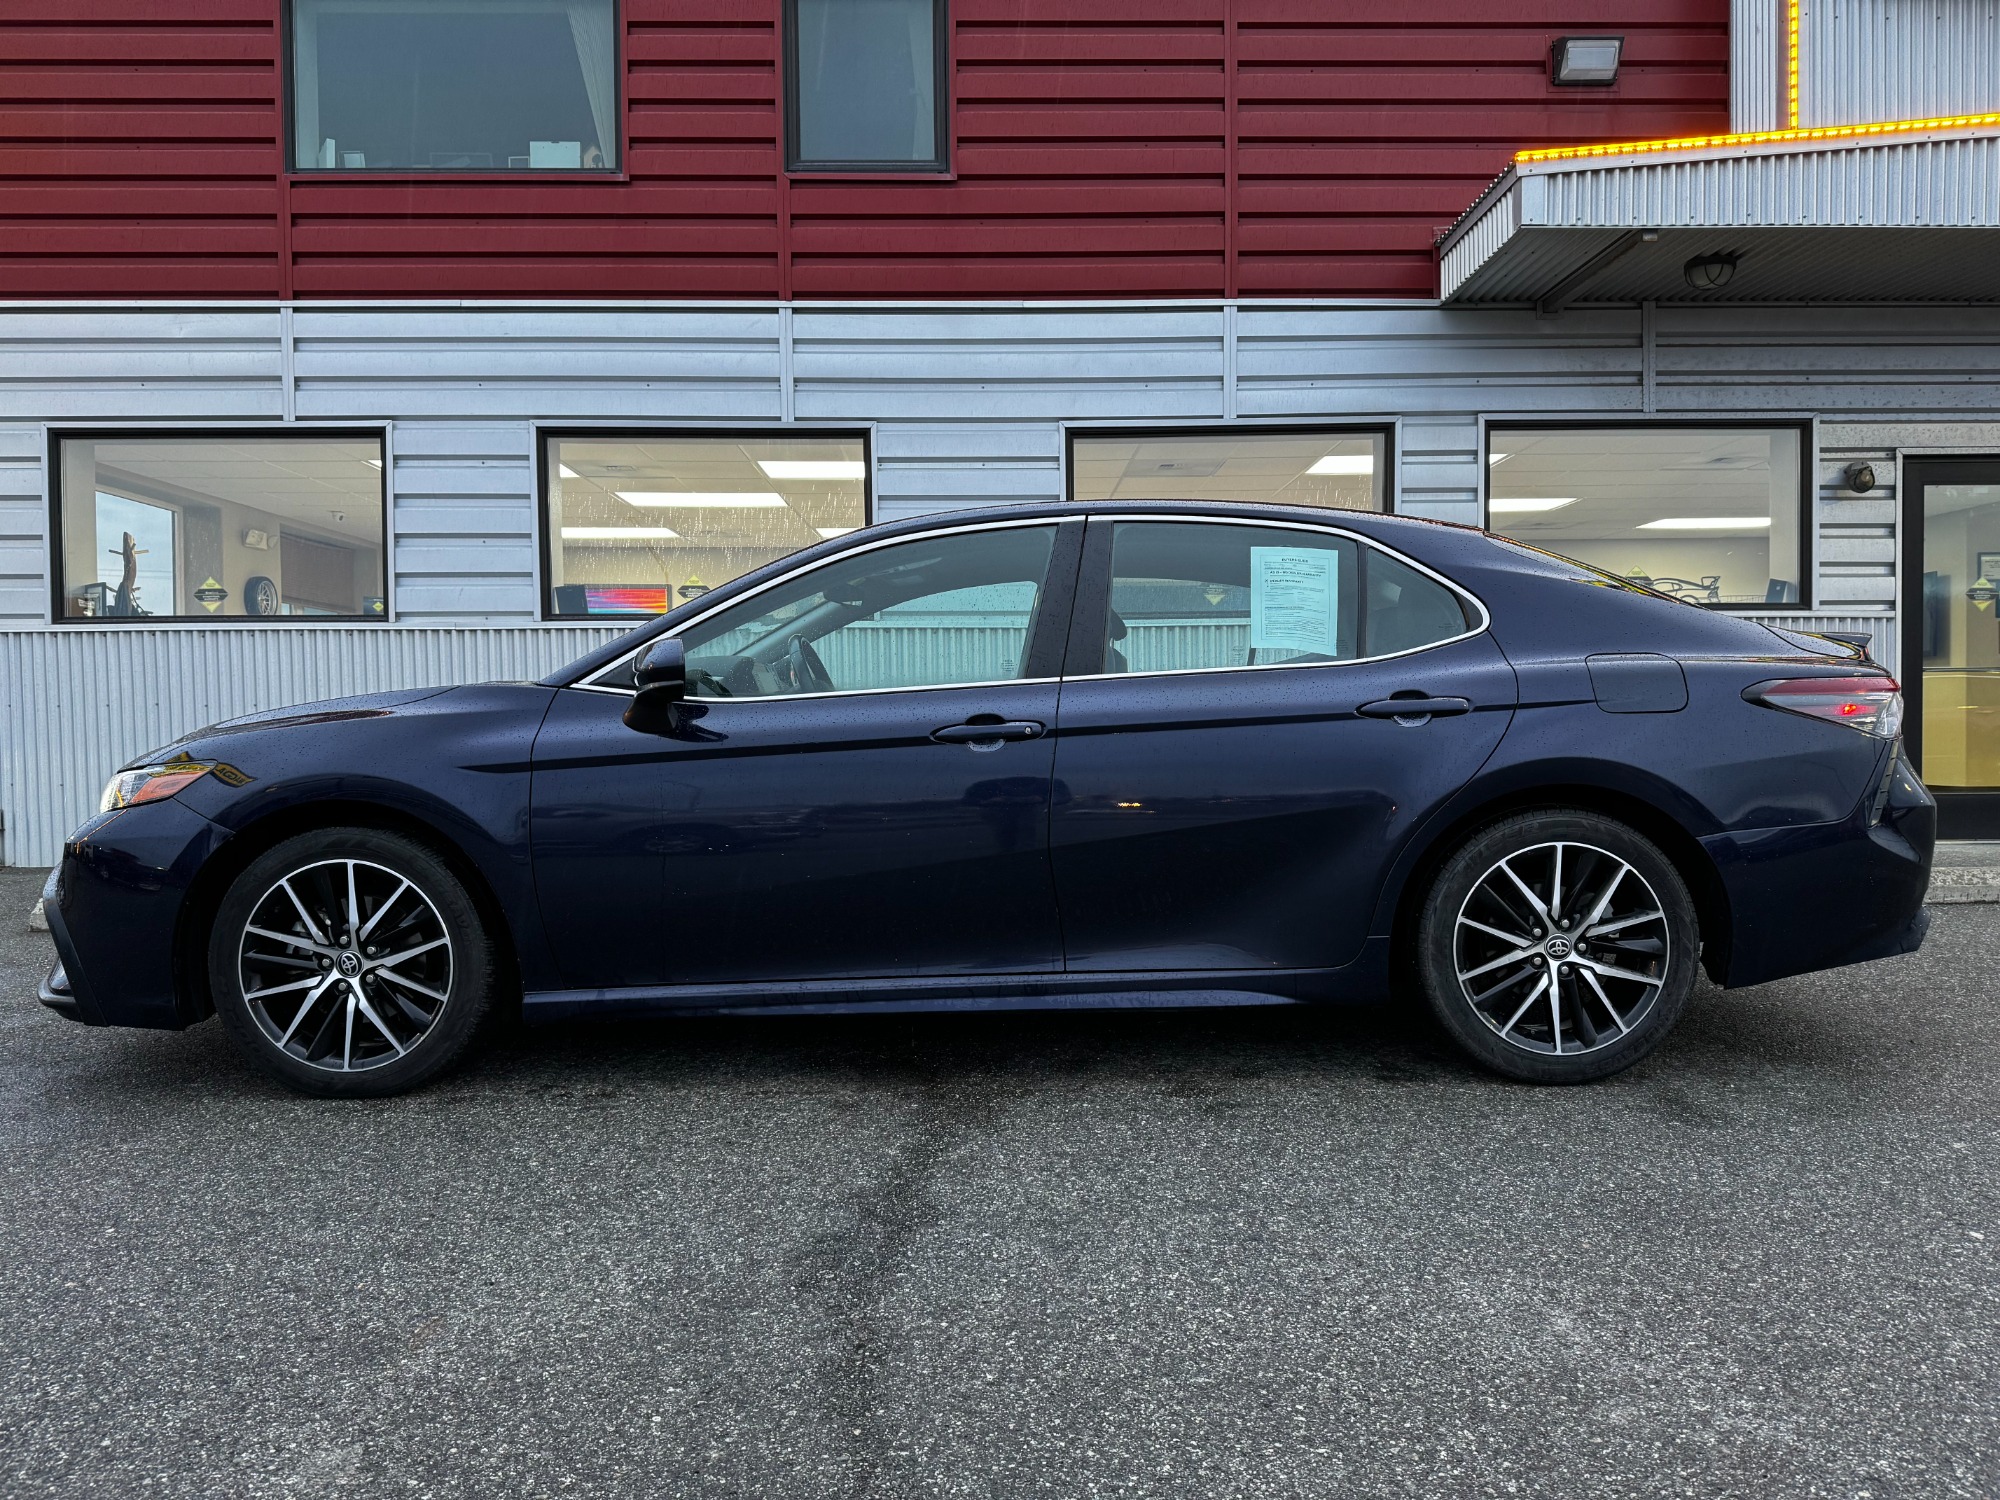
(1821,221)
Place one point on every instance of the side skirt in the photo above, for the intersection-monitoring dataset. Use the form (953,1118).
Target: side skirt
(1364,979)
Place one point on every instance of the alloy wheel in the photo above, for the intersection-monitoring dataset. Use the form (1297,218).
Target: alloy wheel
(1561,948)
(345,965)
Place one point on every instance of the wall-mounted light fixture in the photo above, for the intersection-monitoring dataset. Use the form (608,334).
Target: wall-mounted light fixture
(1711,273)
(1585,61)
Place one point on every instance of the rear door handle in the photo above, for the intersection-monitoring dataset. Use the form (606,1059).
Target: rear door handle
(988,736)
(1414,708)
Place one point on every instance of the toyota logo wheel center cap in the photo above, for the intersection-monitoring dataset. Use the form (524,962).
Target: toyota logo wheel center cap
(1558,947)
(349,963)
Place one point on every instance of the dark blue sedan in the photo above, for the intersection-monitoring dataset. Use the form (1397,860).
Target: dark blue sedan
(1129,755)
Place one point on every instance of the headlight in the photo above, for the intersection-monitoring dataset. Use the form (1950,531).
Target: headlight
(151,783)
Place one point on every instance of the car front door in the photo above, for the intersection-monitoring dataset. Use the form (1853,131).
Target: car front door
(859,785)
(1233,773)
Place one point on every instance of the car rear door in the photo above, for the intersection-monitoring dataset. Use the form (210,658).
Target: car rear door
(872,804)
(1254,717)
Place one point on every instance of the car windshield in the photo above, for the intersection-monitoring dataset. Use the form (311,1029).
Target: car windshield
(1597,576)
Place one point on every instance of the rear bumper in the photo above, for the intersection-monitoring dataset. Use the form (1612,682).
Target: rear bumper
(1828,894)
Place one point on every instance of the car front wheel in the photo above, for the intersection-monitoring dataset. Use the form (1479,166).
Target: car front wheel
(1558,947)
(350,962)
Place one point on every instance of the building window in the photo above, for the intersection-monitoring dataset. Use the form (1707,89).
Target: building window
(170,526)
(865,86)
(1338,470)
(1714,515)
(454,85)
(636,524)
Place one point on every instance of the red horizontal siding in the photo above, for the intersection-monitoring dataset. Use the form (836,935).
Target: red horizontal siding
(1101,148)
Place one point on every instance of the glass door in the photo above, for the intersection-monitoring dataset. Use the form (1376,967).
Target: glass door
(1951,637)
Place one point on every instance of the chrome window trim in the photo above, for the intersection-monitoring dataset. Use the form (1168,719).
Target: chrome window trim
(592,685)
(1485,615)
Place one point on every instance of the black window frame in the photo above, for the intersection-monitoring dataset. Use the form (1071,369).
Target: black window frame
(615,170)
(941,104)
(1386,431)
(544,538)
(1807,486)
(291,430)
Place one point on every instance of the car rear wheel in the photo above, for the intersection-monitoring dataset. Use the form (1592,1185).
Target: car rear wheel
(350,962)
(1558,947)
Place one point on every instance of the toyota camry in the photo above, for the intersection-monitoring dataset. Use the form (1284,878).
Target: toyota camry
(1044,756)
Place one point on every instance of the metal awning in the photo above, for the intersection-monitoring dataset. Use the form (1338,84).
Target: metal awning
(1913,220)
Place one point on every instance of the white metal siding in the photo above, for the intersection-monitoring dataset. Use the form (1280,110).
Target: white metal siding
(1866,60)
(77,703)
(968,404)
(1756,64)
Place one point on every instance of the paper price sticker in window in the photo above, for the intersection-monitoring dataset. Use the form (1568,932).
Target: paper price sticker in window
(1294,600)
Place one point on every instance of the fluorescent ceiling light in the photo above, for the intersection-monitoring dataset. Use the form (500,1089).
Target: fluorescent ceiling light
(1497,458)
(706,500)
(373,463)
(830,532)
(1344,463)
(1517,505)
(618,534)
(1707,523)
(567,472)
(812,468)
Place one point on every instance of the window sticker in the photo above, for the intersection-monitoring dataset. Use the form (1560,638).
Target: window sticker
(1294,599)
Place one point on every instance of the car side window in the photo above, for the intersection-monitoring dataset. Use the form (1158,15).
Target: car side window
(1197,596)
(1191,595)
(935,611)
(1406,609)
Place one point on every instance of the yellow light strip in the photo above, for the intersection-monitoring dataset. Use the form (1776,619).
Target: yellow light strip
(1792,131)
(1761,137)
(1792,64)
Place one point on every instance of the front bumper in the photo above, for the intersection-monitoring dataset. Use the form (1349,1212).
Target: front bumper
(1829,894)
(114,907)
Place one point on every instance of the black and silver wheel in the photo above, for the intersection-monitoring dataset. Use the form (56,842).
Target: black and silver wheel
(350,962)
(1558,947)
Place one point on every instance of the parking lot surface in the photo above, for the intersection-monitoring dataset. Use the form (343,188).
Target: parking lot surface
(1270,1252)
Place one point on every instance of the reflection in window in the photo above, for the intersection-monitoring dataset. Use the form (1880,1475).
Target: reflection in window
(1338,470)
(144,563)
(866,84)
(1711,515)
(930,612)
(640,524)
(454,85)
(164,527)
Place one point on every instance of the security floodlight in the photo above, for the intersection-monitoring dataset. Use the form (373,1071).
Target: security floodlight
(1585,61)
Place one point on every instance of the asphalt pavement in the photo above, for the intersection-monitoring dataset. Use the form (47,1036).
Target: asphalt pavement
(1270,1252)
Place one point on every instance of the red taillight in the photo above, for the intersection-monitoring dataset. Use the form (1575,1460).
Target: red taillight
(1873,705)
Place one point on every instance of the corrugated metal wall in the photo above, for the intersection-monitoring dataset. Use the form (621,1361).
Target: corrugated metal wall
(969,403)
(75,704)
(1863,60)
(1756,65)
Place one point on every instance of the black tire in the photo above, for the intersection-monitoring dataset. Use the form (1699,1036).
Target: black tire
(1619,986)
(364,986)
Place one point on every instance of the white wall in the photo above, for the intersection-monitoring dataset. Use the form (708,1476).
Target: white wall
(968,404)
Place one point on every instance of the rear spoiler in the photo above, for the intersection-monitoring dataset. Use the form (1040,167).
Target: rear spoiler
(1858,638)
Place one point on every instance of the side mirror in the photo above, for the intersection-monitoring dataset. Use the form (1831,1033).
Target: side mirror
(662,678)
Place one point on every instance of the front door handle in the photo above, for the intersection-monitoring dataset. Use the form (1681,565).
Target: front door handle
(988,736)
(1414,708)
